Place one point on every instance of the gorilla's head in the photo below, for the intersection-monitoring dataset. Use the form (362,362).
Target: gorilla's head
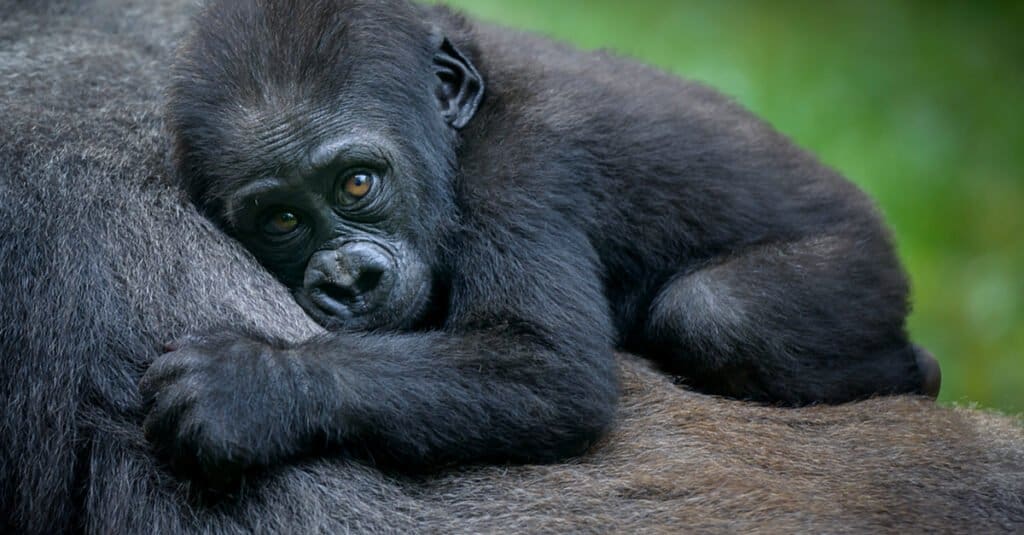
(321,134)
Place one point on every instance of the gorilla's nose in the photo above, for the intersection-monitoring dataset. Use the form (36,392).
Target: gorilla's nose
(349,280)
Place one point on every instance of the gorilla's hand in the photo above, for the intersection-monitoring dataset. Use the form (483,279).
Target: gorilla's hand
(218,404)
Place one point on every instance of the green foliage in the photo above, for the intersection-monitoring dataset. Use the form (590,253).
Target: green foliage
(919,103)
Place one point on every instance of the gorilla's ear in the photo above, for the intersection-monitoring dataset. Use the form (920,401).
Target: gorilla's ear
(460,87)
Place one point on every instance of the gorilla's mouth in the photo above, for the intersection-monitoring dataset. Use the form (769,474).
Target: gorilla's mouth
(340,302)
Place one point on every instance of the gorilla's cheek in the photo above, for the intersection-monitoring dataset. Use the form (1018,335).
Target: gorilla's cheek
(411,291)
(365,284)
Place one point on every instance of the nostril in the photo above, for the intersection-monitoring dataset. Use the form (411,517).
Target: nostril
(368,279)
(349,289)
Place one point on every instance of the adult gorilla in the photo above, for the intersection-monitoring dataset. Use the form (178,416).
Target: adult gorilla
(102,260)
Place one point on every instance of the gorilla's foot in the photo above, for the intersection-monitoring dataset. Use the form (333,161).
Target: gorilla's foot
(931,373)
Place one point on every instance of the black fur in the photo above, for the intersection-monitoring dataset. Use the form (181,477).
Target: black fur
(587,202)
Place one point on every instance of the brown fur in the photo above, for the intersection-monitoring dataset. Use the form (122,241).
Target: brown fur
(683,460)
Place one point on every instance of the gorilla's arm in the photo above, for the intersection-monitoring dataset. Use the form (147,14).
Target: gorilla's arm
(751,323)
(522,370)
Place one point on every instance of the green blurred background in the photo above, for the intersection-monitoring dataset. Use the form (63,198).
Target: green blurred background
(918,102)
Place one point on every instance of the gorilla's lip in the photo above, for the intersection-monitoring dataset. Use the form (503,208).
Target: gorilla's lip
(338,309)
(311,309)
(334,314)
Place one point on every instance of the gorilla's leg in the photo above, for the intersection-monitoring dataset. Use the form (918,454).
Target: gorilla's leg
(751,325)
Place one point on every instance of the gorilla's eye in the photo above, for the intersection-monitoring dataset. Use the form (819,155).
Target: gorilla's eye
(356,186)
(280,223)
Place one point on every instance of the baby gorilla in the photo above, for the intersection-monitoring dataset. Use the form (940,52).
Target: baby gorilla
(478,254)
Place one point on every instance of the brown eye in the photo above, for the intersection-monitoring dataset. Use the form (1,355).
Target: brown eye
(280,223)
(356,187)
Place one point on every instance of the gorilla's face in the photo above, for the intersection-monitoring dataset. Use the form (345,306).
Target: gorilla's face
(330,154)
(335,230)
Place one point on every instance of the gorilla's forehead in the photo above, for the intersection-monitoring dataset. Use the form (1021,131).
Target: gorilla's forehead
(283,138)
(264,84)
